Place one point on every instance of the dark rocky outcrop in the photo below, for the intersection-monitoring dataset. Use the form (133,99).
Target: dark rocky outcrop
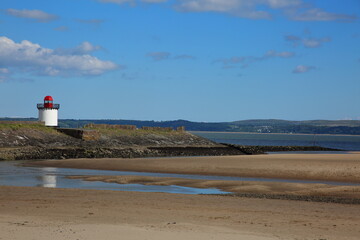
(19,141)
(250,150)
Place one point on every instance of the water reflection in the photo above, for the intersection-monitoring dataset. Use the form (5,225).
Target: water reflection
(13,174)
(48,178)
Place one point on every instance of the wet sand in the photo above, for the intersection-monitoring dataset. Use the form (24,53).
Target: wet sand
(326,167)
(41,214)
(309,191)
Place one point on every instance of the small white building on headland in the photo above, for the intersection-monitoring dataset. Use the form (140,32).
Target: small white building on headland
(48,112)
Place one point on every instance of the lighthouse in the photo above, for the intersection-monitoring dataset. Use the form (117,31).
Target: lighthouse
(48,112)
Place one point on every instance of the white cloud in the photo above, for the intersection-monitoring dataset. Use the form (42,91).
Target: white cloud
(303,69)
(273,53)
(245,61)
(307,42)
(316,14)
(4,70)
(86,47)
(159,56)
(284,3)
(240,8)
(295,40)
(4,74)
(83,48)
(31,58)
(313,42)
(37,15)
(297,10)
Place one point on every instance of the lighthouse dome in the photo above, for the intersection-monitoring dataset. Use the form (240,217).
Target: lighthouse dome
(48,98)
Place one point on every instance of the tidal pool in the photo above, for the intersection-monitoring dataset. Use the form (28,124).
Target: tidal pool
(13,174)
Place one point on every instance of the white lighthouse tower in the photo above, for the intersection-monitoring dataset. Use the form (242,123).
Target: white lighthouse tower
(48,112)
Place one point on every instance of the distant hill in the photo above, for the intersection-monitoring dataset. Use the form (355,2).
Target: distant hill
(254,125)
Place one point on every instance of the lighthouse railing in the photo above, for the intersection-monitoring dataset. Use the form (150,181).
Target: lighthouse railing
(54,106)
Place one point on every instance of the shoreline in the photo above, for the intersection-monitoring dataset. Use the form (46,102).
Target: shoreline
(323,167)
(309,134)
(100,151)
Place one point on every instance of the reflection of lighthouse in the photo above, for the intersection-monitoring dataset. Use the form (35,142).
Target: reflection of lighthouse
(48,112)
(48,181)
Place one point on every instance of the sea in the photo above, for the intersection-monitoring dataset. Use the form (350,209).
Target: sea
(342,142)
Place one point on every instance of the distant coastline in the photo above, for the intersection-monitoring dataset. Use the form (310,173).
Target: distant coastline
(306,134)
(334,141)
(331,127)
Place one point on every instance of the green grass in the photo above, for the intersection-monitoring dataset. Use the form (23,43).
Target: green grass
(31,125)
(135,133)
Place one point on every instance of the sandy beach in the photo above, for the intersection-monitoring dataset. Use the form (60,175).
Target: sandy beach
(37,213)
(327,167)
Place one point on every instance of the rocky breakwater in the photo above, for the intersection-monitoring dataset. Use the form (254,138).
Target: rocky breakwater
(29,141)
(251,150)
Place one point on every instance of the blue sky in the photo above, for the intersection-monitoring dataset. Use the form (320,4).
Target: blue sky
(200,60)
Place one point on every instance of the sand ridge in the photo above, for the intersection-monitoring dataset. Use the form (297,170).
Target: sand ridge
(241,187)
(327,167)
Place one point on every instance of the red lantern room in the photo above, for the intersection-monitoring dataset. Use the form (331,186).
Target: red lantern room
(48,112)
(48,102)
